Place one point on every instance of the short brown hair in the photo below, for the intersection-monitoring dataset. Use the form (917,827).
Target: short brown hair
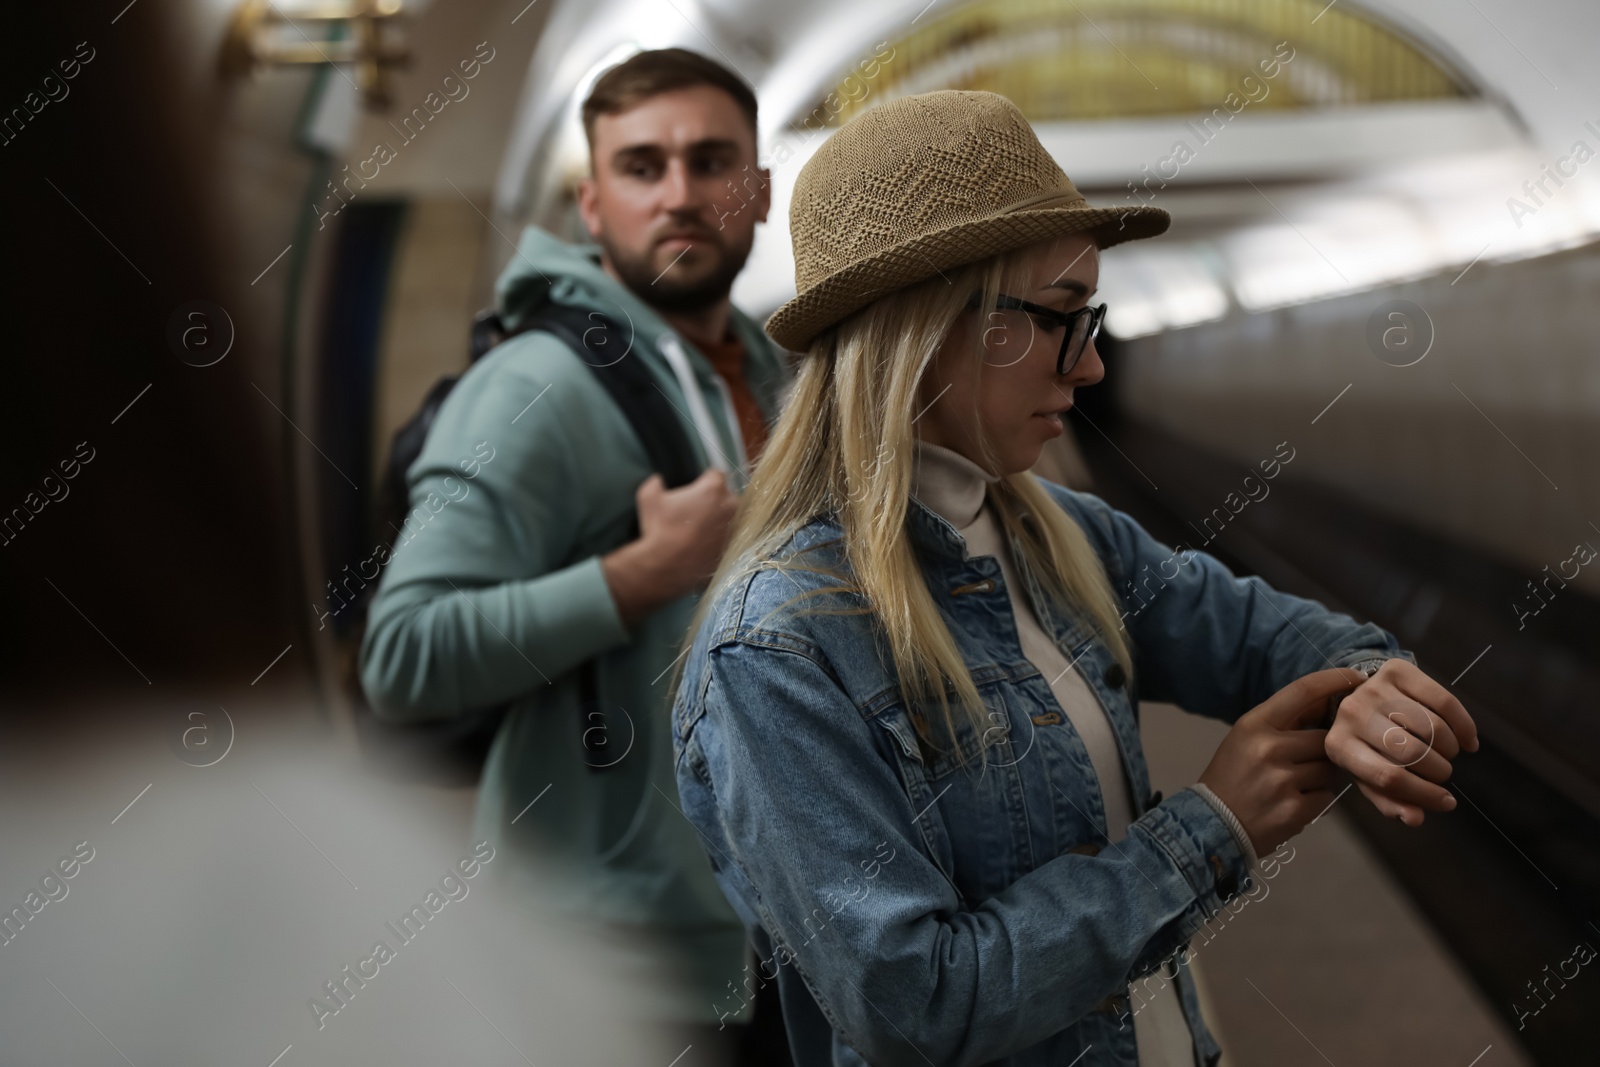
(658,71)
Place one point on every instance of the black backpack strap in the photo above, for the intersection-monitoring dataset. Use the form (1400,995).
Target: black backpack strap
(487,331)
(605,347)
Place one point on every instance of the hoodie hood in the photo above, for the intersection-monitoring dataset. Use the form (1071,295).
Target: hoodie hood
(546,269)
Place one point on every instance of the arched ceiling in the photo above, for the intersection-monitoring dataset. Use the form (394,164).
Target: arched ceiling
(1069,61)
(1533,58)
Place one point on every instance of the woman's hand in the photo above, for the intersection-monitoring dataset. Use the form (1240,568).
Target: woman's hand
(1397,733)
(1271,770)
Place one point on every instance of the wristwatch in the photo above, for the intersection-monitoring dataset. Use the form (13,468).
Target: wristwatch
(1368,667)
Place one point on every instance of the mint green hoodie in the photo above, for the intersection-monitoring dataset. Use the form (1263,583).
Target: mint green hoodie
(494,593)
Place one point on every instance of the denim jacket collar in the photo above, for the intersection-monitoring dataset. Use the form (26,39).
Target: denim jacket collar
(932,533)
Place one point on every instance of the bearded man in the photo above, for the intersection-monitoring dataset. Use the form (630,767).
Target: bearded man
(573,556)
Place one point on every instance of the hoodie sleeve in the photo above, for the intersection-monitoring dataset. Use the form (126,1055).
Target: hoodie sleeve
(489,595)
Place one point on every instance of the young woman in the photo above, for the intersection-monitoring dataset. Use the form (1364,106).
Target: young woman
(906,727)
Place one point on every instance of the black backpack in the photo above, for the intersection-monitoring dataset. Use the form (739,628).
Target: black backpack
(453,752)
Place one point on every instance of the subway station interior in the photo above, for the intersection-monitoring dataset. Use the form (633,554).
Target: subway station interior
(248,238)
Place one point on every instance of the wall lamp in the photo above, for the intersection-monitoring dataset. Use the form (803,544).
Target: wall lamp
(364,34)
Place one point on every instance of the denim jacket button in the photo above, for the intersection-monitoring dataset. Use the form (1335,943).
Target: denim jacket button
(1227,884)
(1115,676)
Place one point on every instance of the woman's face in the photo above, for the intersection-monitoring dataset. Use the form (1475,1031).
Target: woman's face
(1021,401)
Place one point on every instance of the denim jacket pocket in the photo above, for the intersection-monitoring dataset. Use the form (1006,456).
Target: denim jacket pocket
(968,796)
(931,747)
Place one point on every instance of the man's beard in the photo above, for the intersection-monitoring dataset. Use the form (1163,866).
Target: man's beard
(655,288)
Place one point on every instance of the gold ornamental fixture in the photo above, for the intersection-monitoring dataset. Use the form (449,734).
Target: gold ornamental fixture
(365,35)
(1081,60)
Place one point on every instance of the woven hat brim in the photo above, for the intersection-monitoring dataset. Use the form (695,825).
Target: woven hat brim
(843,293)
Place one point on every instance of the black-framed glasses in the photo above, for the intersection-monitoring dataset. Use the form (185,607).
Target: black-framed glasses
(1078,327)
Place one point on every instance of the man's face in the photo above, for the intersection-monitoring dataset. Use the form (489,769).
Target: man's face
(675,196)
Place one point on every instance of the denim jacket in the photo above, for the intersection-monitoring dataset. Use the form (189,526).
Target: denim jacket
(914,909)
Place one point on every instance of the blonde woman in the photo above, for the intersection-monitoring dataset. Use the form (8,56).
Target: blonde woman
(906,727)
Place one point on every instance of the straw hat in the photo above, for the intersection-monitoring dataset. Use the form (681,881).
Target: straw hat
(916,186)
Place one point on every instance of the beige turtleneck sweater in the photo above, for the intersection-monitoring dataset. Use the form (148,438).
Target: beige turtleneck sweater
(957,489)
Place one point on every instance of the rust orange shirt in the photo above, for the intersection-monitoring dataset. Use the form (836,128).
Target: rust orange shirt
(727,357)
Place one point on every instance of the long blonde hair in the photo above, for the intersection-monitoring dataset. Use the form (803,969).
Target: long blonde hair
(844,443)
